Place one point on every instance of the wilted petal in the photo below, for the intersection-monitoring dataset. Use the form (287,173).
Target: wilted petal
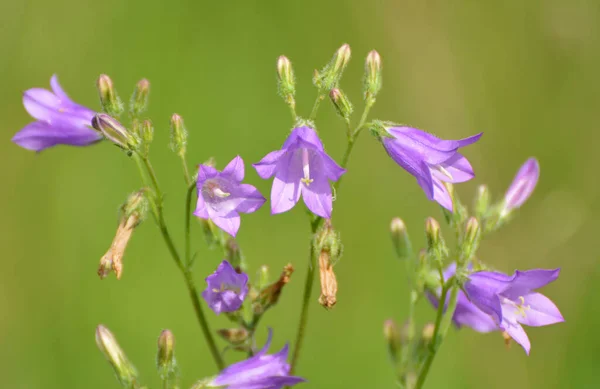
(539,310)
(235,169)
(317,197)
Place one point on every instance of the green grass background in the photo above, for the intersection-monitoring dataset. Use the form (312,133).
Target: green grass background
(524,72)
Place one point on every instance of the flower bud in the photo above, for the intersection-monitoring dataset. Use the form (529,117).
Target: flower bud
(342,105)
(482,201)
(400,239)
(522,186)
(139,99)
(165,357)
(372,78)
(178,135)
(147,135)
(286,80)
(436,246)
(125,371)
(235,336)
(263,277)
(114,131)
(329,77)
(427,332)
(111,103)
(393,338)
(471,239)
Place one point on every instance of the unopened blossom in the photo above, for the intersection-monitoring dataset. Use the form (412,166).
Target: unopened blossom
(431,160)
(226,289)
(59,120)
(512,301)
(466,313)
(301,167)
(522,186)
(222,196)
(261,371)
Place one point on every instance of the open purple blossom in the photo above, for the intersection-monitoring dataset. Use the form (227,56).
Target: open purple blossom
(301,167)
(511,300)
(522,186)
(432,161)
(222,196)
(261,371)
(466,313)
(226,289)
(59,120)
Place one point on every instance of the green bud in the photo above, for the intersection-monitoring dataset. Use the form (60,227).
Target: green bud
(263,277)
(111,103)
(329,77)
(139,99)
(286,80)
(114,131)
(178,135)
(235,336)
(393,339)
(125,371)
(372,78)
(400,239)
(327,239)
(342,104)
(471,239)
(165,357)
(427,332)
(482,201)
(147,135)
(436,246)
(136,205)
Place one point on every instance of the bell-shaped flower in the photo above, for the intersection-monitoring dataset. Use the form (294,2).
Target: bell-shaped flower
(301,167)
(432,161)
(522,186)
(261,371)
(512,300)
(59,120)
(226,289)
(222,196)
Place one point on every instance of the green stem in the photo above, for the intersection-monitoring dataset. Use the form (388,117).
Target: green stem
(188,222)
(186,172)
(315,108)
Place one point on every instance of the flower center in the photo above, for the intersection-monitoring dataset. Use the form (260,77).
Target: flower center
(306,168)
(224,287)
(213,190)
(520,307)
(442,170)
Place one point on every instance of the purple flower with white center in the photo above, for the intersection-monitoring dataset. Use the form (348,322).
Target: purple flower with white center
(226,289)
(522,186)
(261,371)
(60,121)
(432,161)
(511,300)
(222,196)
(301,167)
(466,313)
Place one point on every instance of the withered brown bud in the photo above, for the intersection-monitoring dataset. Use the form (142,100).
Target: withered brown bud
(113,259)
(234,336)
(328,281)
(270,295)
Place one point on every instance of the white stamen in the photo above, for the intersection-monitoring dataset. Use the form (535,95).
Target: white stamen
(306,168)
(445,172)
(219,193)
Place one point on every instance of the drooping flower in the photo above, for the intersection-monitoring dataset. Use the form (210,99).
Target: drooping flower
(261,371)
(59,120)
(226,289)
(222,196)
(511,300)
(466,313)
(301,167)
(522,186)
(432,161)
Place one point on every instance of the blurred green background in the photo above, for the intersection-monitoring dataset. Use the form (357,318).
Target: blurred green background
(525,73)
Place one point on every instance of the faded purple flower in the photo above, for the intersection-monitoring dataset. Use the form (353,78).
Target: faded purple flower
(221,195)
(226,289)
(261,371)
(432,161)
(59,120)
(300,167)
(466,313)
(511,300)
(522,186)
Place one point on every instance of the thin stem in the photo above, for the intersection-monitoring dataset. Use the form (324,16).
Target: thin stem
(188,222)
(315,108)
(292,105)
(186,172)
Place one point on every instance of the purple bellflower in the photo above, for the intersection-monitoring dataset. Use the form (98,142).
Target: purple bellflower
(466,313)
(222,196)
(511,300)
(59,120)
(226,289)
(261,371)
(522,186)
(301,167)
(432,161)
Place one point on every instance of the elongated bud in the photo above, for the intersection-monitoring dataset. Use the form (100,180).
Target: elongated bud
(372,79)
(400,239)
(342,105)
(235,336)
(165,357)
(114,131)
(111,103)
(482,201)
(286,80)
(471,239)
(270,295)
(139,99)
(125,371)
(522,187)
(178,135)
(263,277)
(436,246)
(147,136)
(392,336)
(329,77)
